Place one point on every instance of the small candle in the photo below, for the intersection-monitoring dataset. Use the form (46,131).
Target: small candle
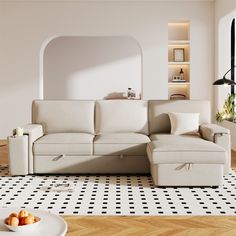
(19,131)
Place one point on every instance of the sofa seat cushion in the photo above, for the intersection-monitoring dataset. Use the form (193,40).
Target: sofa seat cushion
(64,143)
(121,144)
(168,149)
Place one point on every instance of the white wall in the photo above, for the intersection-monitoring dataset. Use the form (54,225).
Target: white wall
(26,27)
(91,68)
(225,11)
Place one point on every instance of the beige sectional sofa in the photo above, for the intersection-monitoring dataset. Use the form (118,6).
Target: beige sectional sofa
(121,136)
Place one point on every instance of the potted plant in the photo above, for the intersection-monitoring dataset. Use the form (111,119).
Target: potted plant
(229,110)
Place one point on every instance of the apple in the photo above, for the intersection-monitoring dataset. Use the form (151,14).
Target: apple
(13,221)
(13,215)
(28,220)
(23,213)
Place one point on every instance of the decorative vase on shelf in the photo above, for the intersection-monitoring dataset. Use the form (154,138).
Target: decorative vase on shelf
(131,93)
(18,131)
(181,74)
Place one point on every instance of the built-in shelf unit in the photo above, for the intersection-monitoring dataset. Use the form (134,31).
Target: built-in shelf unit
(179,38)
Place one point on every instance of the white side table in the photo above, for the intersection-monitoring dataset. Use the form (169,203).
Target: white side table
(18,155)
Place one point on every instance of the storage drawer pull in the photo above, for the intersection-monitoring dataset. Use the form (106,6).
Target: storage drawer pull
(188,166)
(58,157)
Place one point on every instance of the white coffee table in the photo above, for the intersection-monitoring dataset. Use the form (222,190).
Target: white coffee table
(50,224)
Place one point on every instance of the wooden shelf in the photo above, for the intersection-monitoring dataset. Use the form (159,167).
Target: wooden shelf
(178,42)
(178,83)
(178,63)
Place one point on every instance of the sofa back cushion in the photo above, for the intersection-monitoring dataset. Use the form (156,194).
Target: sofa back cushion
(64,116)
(120,116)
(159,121)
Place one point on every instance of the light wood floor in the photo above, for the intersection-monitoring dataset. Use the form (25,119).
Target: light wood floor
(151,226)
(3,152)
(148,225)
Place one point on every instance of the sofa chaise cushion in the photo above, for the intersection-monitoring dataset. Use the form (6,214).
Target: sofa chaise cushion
(64,143)
(121,144)
(166,149)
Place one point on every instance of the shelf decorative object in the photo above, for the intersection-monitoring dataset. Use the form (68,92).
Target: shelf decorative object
(178,96)
(178,54)
(131,93)
(178,79)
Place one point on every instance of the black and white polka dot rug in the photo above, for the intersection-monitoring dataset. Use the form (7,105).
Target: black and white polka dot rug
(115,195)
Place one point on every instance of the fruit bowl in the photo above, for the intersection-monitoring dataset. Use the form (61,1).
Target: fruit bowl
(23,228)
(22,222)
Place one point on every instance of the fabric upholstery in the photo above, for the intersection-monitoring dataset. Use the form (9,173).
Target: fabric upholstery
(121,116)
(208,131)
(158,110)
(184,123)
(92,164)
(197,175)
(224,141)
(34,131)
(167,149)
(121,143)
(220,136)
(64,143)
(73,116)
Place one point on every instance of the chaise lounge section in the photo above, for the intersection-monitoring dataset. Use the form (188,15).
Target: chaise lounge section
(186,160)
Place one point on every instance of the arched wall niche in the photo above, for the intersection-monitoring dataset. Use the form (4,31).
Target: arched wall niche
(90,67)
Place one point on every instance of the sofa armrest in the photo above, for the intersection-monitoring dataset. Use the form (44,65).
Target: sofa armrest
(211,131)
(220,136)
(33,131)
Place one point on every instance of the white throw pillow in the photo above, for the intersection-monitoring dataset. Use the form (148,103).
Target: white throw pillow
(184,123)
